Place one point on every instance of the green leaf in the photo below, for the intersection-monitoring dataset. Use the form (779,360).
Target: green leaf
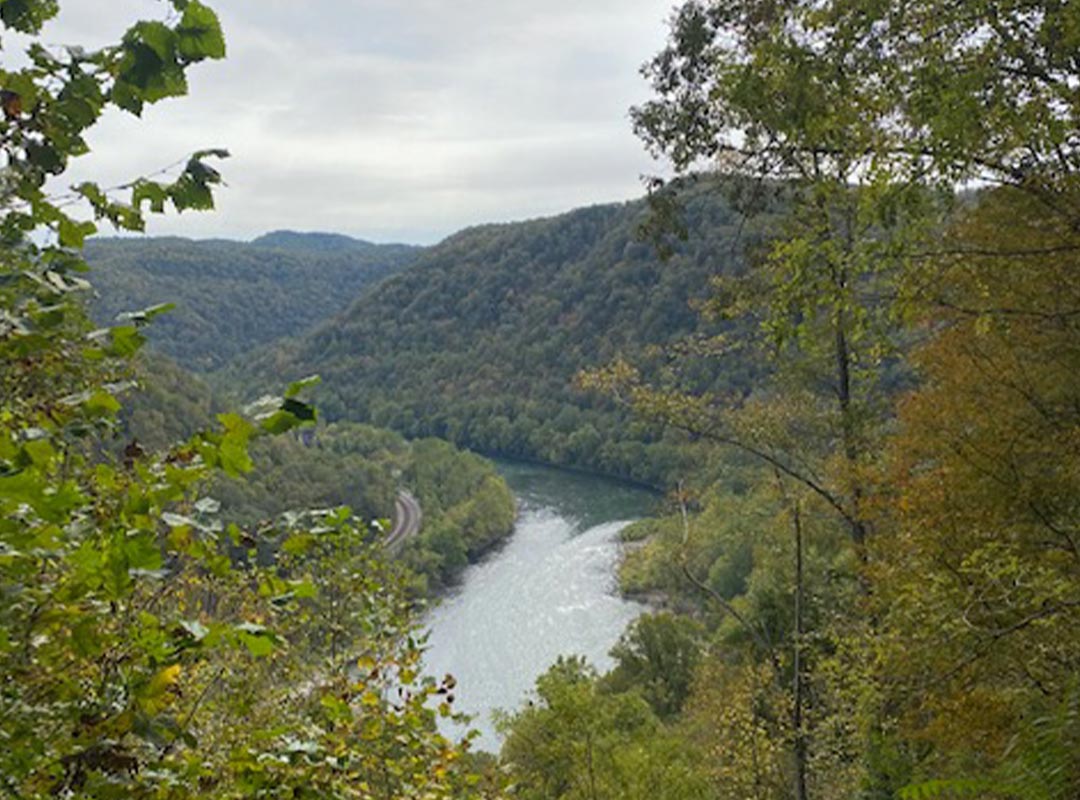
(233,452)
(202,172)
(40,452)
(93,193)
(213,152)
(258,640)
(302,411)
(199,33)
(127,97)
(292,414)
(81,101)
(73,234)
(148,70)
(142,552)
(27,16)
(297,544)
(149,192)
(190,194)
(299,386)
(337,708)
(101,404)
(279,422)
(125,340)
(46,157)
(158,36)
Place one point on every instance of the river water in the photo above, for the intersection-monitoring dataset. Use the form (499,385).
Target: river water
(550,590)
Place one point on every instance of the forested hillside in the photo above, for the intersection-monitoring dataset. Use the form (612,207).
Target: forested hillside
(481,340)
(233,296)
(870,582)
(150,647)
(881,599)
(466,506)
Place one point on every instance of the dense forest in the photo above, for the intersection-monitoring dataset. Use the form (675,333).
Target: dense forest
(876,598)
(851,349)
(480,342)
(230,297)
(467,508)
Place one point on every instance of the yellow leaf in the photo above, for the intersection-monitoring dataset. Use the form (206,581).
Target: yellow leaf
(163,681)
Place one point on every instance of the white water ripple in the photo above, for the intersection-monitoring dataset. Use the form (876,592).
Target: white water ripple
(546,593)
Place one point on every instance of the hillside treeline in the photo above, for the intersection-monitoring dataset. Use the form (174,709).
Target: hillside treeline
(878,596)
(230,297)
(466,506)
(481,341)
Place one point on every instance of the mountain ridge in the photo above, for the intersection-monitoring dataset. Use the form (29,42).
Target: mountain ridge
(322,241)
(480,339)
(477,340)
(230,296)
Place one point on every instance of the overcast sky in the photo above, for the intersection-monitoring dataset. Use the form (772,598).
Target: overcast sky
(392,120)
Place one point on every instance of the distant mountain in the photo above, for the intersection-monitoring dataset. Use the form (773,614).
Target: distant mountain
(479,341)
(232,297)
(324,243)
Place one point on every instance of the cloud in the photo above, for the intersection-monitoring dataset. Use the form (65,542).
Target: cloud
(385,119)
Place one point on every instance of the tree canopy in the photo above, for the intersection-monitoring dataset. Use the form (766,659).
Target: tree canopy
(139,626)
(887,568)
(230,297)
(480,341)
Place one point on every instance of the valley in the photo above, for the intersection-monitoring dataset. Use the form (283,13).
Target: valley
(760,482)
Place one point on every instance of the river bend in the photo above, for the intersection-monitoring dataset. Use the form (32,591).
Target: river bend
(548,591)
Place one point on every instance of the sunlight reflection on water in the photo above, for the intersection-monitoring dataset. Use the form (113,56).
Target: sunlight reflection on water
(549,591)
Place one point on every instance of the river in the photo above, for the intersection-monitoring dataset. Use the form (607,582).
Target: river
(550,590)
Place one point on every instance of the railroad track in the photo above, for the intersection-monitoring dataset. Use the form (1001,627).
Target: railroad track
(407,520)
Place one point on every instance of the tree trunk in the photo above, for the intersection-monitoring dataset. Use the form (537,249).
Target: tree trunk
(797,711)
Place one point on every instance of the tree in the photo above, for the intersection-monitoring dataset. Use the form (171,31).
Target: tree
(778,100)
(658,655)
(861,115)
(775,98)
(136,627)
(88,686)
(577,742)
(980,569)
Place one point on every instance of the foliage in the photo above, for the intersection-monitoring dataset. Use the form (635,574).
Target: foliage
(452,347)
(466,505)
(170,406)
(925,645)
(231,297)
(309,472)
(579,742)
(658,655)
(778,100)
(983,484)
(468,508)
(878,592)
(1040,763)
(987,89)
(365,721)
(130,642)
